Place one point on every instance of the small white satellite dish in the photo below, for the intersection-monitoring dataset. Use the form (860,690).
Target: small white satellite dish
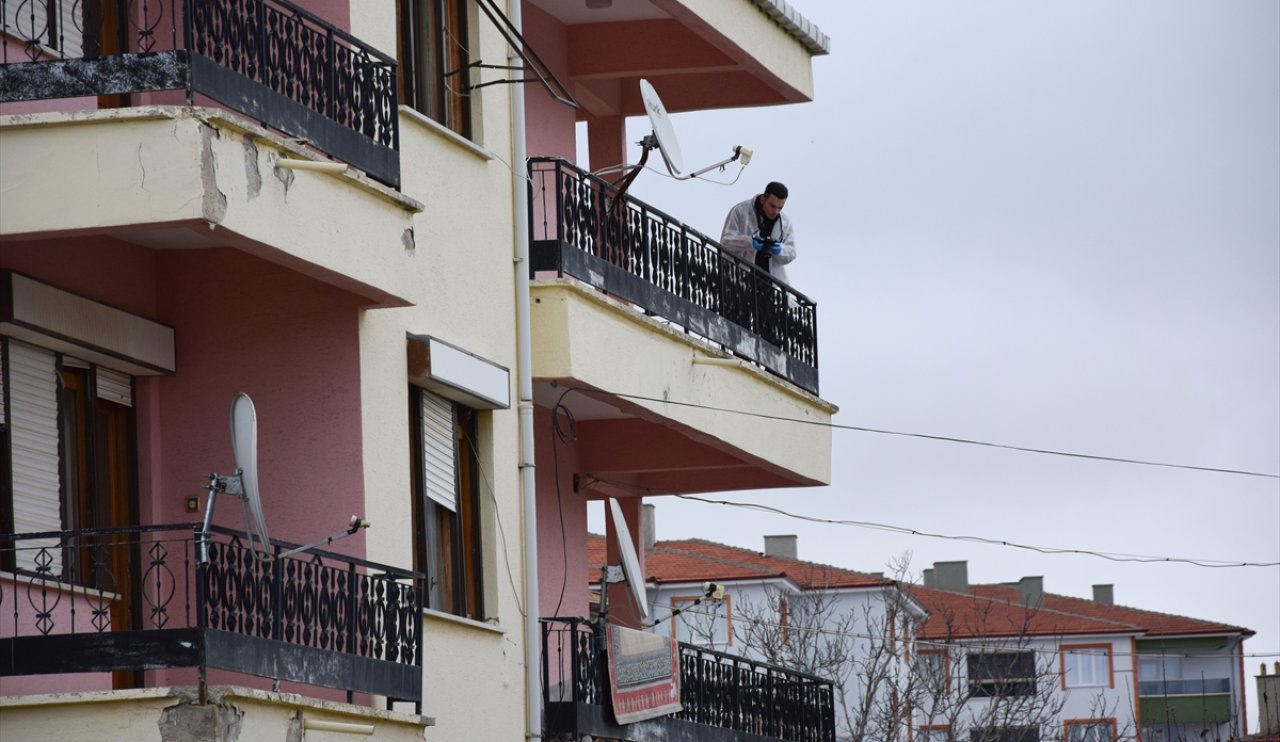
(630,562)
(244,445)
(244,485)
(664,139)
(663,133)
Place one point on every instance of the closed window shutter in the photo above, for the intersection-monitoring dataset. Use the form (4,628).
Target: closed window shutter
(439,467)
(33,446)
(114,386)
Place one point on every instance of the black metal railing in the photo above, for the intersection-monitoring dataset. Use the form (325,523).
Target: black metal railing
(133,598)
(716,689)
(580,225)
(268,59)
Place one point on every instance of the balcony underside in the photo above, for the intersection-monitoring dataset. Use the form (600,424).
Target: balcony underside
(672,414)
(177,177)
(194,647)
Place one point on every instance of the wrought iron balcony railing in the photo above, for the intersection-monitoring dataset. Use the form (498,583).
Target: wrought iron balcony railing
(137,598)
(582,227)
(736,697)
(267,59)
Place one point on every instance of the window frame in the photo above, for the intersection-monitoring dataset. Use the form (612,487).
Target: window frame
(97,465)
(1109,722)
(426,69)
(448,543)
(1004,733)
(926,732)
(946,685)
(1089,649)
(1004,686)
(683,602)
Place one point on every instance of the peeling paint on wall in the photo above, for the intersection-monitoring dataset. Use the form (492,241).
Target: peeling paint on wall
(190,722)
(214,204)
(251,172)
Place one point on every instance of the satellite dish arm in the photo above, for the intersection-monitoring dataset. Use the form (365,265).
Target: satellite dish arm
(356,524)
(738,152)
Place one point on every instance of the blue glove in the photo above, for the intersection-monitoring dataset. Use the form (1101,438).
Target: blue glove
(757,242)
(776,247)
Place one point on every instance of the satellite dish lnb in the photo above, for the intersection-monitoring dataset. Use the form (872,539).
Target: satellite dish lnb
(631,571)
(244,486)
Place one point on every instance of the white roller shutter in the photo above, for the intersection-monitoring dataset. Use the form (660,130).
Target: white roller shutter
(114,386)
(33,441)
(439,467)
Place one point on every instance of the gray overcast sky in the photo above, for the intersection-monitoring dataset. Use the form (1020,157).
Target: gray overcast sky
(1051,224)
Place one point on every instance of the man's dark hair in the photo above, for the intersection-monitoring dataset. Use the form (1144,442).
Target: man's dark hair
(776,189)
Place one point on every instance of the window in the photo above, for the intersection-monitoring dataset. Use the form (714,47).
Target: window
(446,502)
(933,672)
(1004,734)
(1086,665)
(994,674)
(707,624)
(1090,730)
(434,61)
(69,441)
(1175,675)
(933,733)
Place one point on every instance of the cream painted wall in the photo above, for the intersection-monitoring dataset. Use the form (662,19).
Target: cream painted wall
(460,278)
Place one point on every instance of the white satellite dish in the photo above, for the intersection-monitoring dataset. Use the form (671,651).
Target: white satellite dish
(664,139)
(244,485)
(663,133)
(631,571)
(244,445)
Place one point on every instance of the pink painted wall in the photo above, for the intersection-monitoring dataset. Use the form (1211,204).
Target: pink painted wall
(549,124)
(562,555)
(292,344)
(241,324)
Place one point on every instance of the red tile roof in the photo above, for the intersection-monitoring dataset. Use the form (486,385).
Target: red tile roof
(1151,623)
(696,560)
(985,611)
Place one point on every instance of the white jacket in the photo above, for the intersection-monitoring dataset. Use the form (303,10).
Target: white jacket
(741,224)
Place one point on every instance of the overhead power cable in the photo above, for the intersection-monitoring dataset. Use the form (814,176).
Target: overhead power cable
(1112,556)
(927,436)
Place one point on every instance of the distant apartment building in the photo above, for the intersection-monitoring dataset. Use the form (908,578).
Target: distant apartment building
(977,663)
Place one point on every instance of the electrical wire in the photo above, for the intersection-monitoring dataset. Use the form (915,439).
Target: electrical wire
(502,533)
(983,643)
(1111,556)
(943,438)
(567,437)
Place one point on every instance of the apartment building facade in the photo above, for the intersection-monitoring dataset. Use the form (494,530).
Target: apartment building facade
(970,662)
(327,206)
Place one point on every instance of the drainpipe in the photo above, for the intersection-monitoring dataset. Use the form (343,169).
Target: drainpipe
(524,380)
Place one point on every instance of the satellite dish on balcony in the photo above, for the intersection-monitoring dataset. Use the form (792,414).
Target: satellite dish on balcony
(244,444)
(244,486)
(664,139)
(631,572)
(664,135)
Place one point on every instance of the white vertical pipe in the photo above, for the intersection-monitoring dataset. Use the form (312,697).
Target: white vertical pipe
(524,380)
